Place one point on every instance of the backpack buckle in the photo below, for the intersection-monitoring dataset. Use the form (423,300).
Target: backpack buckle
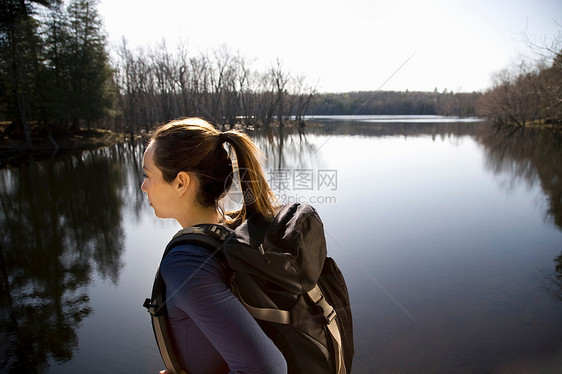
(326,309)
(153,308)
(150,306)
(219,231)
(330,317)
(322,304)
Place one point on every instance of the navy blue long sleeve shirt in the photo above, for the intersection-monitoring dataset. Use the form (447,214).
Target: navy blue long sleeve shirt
(213,332)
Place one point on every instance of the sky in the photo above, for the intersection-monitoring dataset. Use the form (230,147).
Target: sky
(354,45)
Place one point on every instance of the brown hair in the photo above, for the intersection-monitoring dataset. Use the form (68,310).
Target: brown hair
(194,145)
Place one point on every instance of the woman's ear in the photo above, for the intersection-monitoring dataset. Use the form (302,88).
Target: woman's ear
(182,182)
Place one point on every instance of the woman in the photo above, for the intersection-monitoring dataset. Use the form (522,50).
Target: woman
(187,172)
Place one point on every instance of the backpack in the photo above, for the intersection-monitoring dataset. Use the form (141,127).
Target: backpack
(282,275)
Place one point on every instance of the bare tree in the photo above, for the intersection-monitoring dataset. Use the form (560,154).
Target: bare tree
(219,85)
(301,96)
(531,93)
(281,78)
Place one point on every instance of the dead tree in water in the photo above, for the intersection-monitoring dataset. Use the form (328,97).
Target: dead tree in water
(281,78)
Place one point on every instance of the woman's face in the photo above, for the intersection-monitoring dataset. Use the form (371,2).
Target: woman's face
(160,193)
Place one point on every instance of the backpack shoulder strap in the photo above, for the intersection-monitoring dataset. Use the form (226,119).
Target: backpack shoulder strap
(210,236)
(330,319)
(207,235)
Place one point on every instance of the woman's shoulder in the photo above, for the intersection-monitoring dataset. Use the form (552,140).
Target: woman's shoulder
(186,256)
(192,249)
(192,268)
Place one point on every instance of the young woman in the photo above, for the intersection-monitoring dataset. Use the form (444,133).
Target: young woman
(188,171)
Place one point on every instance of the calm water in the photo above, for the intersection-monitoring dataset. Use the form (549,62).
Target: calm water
(449,235)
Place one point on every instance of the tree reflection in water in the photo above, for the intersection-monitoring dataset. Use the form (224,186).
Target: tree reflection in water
(53,235)
(61,221)
(518,154)
(531,155)
(285,148)
(534,156)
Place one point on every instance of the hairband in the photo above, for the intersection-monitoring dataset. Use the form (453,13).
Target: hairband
(223,137)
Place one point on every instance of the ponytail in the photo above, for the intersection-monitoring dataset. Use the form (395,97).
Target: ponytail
(258,196)
(194,145)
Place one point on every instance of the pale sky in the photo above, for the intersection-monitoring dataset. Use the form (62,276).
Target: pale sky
(354,45)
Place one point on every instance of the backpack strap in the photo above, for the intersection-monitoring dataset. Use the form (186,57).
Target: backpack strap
(265,314)
(284,317)
(210,236)
(163,336)
(207,235)
(330,315)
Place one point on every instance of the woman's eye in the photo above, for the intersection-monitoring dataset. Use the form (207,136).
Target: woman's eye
(145,176)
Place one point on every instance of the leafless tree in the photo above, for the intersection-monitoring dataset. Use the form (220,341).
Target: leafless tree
(157,84)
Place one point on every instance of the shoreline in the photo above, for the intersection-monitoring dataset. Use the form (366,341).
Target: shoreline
(44,146)
(13,152)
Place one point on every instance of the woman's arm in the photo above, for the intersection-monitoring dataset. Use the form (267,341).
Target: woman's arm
(195,285)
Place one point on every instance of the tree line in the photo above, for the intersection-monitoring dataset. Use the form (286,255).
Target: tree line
(157,84)
(54,67)
(392,102)
(56,76)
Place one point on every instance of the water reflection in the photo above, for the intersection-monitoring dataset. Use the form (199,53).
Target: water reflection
(553,283)
(519,155)
(532,156)
(285,147)
(61,226)
(130,161)
(60,221)
(405,129)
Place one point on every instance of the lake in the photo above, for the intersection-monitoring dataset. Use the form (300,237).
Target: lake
(448,231)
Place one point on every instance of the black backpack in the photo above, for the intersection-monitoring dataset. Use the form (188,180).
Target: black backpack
(281,274)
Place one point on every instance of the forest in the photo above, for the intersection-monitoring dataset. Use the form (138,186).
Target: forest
(59,75)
